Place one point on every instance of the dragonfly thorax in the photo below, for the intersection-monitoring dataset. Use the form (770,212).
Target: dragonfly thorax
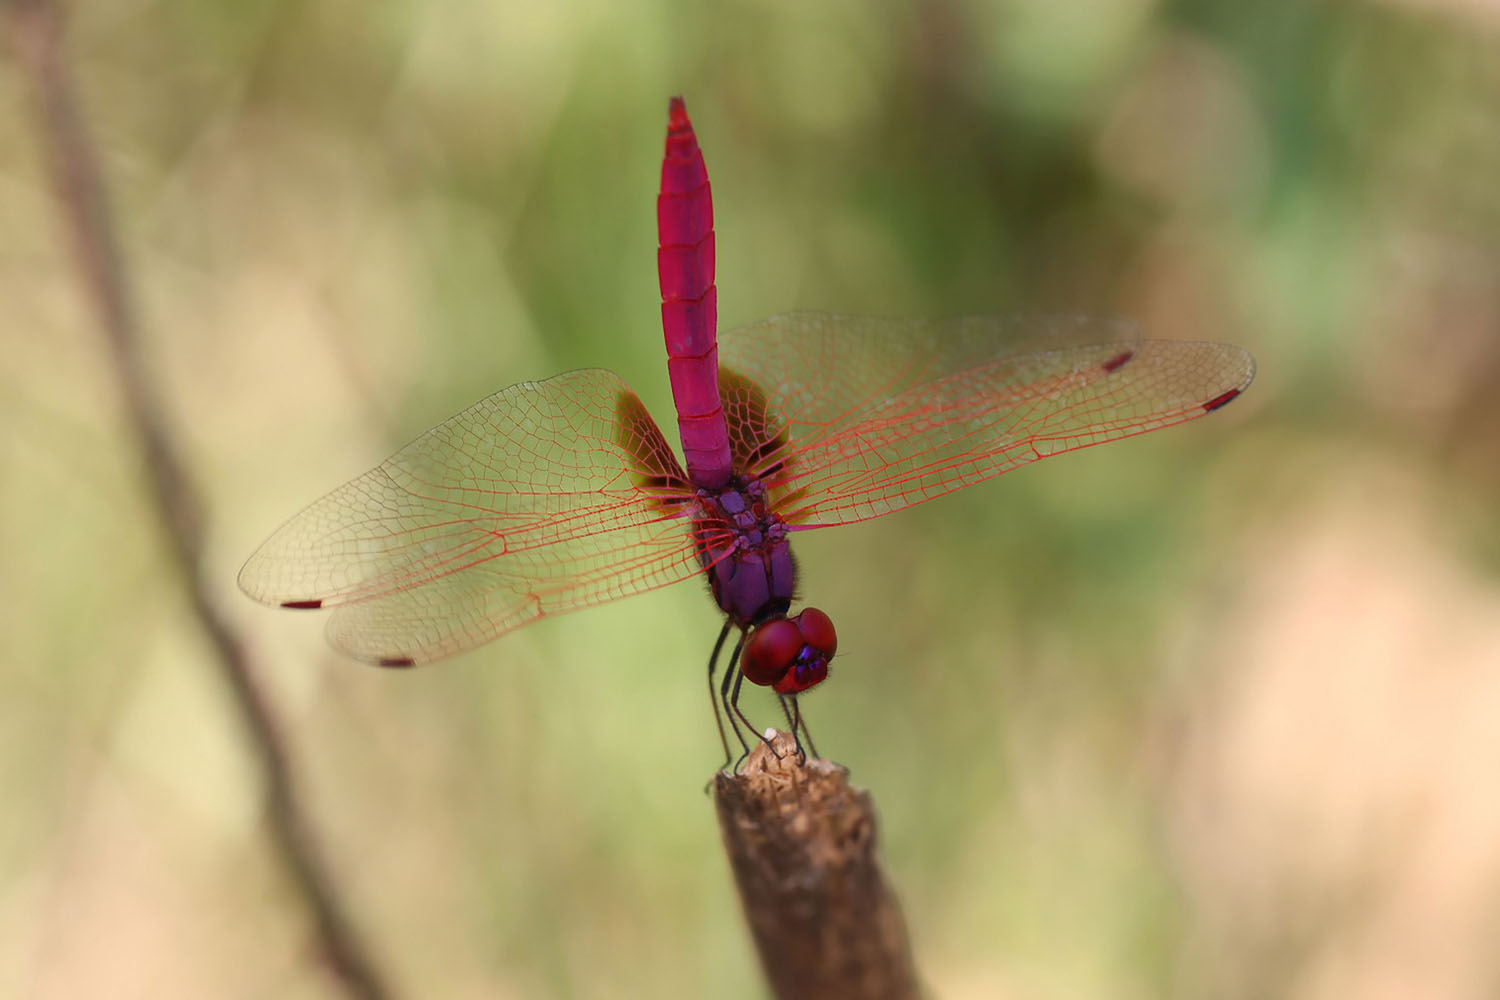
(742,545)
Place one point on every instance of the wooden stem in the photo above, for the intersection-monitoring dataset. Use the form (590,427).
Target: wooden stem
(801,842)
(35,31)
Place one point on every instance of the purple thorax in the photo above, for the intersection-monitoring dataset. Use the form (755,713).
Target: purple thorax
(745,551)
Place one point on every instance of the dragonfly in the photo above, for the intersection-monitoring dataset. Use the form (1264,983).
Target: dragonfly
(553,496)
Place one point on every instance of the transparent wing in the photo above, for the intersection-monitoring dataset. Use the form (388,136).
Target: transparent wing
(849,418)
(543,498)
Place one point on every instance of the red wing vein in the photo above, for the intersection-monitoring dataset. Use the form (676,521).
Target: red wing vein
(882,414)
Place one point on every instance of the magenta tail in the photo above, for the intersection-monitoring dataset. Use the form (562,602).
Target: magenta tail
(689,301)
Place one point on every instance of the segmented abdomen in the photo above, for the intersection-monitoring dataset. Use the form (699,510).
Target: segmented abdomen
(689,310)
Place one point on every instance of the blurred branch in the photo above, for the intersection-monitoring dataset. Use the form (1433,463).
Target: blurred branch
(34,36)
(801,842)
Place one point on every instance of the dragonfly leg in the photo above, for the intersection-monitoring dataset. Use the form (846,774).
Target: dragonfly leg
(793,716)
(731,709)
(792,709)
(713,663)
(734,706)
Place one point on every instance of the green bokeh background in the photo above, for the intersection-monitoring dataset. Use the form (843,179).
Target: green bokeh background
(1212,713)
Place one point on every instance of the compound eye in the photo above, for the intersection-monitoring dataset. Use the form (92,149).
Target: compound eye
(817,631)
(770,651)
(802,676)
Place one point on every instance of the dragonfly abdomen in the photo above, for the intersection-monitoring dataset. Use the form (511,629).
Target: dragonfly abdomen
(689,302)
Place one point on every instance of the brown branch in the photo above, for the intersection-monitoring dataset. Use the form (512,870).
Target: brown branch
(34,36)
(801,842)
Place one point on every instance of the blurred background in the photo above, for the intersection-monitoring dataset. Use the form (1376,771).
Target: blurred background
(1210,713)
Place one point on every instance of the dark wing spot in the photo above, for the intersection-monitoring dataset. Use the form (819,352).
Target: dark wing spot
(662,487)
(303,605)
(1117,362)
(396,661)
(757,442)
(653,467)
(1221,400)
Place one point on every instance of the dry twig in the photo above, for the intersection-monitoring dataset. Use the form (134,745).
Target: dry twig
(801,842)
(34,34)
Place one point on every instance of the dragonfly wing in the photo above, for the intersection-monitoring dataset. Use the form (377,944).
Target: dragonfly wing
(543,498)
(864,416)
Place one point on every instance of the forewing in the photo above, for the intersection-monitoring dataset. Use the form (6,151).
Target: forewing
(543,498)
(864,416)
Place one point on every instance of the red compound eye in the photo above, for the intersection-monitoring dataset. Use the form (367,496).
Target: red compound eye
(771,651)
(817,631)
(802,677)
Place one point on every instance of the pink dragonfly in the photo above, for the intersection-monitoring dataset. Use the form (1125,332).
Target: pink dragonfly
(553,496)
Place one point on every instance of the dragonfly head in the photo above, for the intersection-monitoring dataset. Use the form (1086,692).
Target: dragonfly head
(790,655)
